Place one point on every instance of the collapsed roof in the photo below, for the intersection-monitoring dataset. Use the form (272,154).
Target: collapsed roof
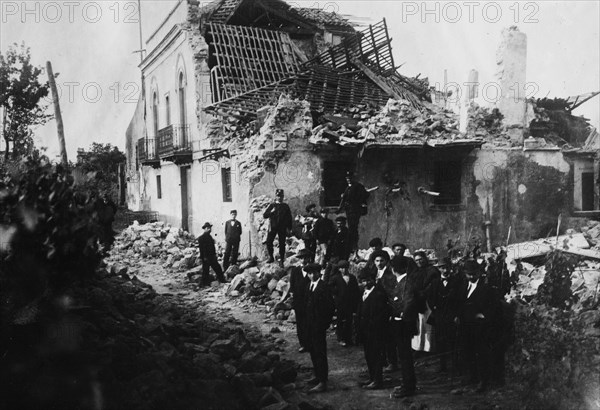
(261,49)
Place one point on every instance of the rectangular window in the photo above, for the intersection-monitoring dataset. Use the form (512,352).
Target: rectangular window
(333,180)
(158,187)
(226,182)
(587,191)
(447,177)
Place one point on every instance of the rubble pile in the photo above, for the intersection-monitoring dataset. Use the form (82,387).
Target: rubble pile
(157,352)
(283,121)
(176,248)
(398,122)
(557,349)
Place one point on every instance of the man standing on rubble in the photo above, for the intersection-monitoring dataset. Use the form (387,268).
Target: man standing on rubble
(208,253)
(299,282)
(280,216)
(354,203)
(233,234)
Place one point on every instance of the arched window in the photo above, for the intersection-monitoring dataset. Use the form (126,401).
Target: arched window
(182,116)
(155,114)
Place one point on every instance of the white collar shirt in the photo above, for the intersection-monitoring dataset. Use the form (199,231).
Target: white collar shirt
(380,273)
(399,278)
(471,288)
(367,293)
(314,284)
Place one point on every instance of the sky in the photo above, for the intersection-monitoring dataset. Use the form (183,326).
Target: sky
(92,44)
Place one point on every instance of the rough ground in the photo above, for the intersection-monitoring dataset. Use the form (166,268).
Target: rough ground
(345,364)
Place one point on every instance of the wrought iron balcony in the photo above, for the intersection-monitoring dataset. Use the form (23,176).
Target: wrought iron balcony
(147,152)
(175,144)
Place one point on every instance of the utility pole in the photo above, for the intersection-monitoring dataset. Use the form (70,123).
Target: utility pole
(57,115)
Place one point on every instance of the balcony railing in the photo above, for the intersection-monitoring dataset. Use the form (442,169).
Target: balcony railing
(174,140)
(147,151)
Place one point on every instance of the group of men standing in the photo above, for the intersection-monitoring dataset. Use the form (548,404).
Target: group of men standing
(208,252)
(464,308)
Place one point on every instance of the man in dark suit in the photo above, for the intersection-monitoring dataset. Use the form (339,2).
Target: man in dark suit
(443,301)
(403,301)
(385,278)
(280,216)
(299,282)
(308,223)
(339,246)
(208,254)
(233,234)
(319,313)
(354,203)
(323,231)
(346,296)
(373,317)
(475,316)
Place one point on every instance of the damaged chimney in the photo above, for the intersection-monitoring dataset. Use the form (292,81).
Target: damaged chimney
(511,59)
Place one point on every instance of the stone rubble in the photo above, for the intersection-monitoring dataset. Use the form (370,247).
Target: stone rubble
(169,351)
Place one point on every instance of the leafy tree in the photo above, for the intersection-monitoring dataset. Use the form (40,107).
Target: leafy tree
(100,164)
(21,94)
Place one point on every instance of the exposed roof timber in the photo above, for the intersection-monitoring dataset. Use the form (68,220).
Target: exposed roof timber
(249,58)
(578,100)
(324,88)
(288,14)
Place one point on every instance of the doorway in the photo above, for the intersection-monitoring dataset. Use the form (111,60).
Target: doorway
(186,197)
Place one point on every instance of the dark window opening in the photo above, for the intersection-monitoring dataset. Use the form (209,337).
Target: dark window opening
(333,180)
(226,182)
(587,191)
(158,187)
(447,176)
(168,107)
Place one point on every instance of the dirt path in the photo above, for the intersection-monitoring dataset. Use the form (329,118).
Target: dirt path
(345,364)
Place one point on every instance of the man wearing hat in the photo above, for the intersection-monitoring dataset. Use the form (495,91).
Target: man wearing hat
(443,301)
(346,294)
(339,246)
(403,322)
(373,317)
(280,216)
(299,282)
(319,313)
(475,316)
(308,223)
(385,278)
(354,203)
(208,254)
(233,234)
(323,231)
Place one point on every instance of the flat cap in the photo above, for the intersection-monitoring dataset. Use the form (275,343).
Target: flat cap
(342,264)
(341,219)
(206,225)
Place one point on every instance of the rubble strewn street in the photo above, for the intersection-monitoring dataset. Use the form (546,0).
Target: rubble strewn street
(256,300)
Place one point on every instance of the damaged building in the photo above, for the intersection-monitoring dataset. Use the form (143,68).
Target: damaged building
(242,97)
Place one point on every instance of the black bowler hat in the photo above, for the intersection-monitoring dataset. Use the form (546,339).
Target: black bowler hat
(471,266)
(312,268)
(206,225)
(304,253)
(340,219)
